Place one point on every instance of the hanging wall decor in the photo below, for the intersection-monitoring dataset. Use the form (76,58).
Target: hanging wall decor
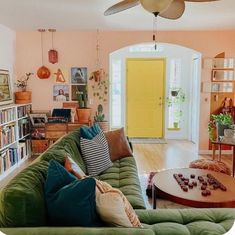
(52,54)
(43,72)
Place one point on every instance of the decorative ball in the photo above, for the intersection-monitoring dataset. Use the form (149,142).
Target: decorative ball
(43,72)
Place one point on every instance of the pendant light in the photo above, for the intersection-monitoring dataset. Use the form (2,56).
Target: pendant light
(43,72)
(52,54)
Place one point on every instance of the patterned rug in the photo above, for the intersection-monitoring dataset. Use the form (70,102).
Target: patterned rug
(148,141)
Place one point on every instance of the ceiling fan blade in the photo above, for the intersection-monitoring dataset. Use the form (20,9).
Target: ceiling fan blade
(121,6)
(201,0)
(174,11)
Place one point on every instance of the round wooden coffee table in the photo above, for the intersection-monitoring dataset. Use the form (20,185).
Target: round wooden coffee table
(165,186)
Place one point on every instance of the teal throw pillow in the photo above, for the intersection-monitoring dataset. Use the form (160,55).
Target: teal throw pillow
(90,132)
(70,202)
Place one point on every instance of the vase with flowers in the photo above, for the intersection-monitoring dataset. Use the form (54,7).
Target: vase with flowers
(23,96)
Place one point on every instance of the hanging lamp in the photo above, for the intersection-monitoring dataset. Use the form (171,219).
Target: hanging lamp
(43,72)
(52,54)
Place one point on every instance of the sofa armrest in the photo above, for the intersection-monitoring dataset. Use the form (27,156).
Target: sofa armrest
(76,231)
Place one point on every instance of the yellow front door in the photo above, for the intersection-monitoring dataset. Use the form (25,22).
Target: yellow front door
(144,97)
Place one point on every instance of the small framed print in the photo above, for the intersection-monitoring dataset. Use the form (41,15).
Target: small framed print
(77,88)
(79,75)
(61,93)
(222,75)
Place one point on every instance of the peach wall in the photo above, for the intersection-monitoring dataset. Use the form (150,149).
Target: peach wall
(78,49)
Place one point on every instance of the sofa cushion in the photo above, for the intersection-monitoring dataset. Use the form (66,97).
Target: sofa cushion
(188,221)
(95,153)
(90,132)
(124,176)
(71,166)
(118,144)
(22,201)
(113,207)
(70,202)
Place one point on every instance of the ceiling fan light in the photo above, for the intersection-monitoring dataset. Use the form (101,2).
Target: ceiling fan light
(155,6)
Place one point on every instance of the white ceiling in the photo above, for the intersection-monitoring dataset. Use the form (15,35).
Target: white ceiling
(88,15)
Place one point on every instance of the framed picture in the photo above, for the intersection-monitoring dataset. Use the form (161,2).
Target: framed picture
(79,75)
(222,75)
(5,88)
(37,119)
(61,92)
(77,88)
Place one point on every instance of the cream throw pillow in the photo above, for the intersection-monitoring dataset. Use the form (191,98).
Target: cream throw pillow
(113,207)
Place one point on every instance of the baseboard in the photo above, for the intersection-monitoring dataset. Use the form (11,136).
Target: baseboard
(209,152)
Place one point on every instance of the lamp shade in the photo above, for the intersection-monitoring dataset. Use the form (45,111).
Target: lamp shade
(155,6)
(43,72)
(53,56)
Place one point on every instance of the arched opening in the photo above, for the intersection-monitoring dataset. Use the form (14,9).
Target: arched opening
(182,77)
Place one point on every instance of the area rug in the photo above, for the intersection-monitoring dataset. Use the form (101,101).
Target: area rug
(146,186)
(148,141)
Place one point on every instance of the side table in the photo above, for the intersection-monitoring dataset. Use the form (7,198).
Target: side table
(219,143)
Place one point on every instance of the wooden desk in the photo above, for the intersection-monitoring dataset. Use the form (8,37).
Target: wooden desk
(219,144)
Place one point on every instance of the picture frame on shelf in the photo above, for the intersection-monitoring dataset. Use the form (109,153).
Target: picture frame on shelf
(6,95)
(79,75)
(38,120)
(222,75)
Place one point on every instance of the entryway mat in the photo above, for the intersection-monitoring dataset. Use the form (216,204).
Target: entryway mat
(148,141)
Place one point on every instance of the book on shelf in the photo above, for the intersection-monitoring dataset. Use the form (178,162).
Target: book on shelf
(24,127)
(7,135)
(7,115)
(23,149)
(23,111)
(8,158)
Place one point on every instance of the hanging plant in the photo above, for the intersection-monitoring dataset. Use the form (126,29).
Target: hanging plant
(100,85)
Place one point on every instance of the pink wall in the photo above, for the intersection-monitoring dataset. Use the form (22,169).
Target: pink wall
(78,49)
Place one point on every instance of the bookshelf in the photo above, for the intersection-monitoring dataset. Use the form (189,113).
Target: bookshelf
(15,137)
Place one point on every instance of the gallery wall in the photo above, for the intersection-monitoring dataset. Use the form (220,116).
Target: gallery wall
(78,49)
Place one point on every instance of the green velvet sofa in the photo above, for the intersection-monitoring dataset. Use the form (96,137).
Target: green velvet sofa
(23,211)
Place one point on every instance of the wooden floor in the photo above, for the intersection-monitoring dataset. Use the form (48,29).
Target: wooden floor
(174,154)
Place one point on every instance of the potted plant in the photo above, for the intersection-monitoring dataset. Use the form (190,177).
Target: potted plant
(23,96)
(176,98)
(222,121)
(83,112)
(100,118)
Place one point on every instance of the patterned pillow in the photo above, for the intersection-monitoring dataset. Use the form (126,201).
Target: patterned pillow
(113,207)
(95,153)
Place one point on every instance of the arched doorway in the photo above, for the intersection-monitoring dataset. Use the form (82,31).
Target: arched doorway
(182,73)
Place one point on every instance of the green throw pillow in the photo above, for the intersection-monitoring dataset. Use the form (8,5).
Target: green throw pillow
(70,202)
(90,132)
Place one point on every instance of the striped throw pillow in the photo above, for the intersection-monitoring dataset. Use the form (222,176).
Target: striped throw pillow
(95,153)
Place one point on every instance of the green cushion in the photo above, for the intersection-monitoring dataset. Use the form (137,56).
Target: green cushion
(22,200)
(188,221)
(90,132)
(70,202)
(124,176)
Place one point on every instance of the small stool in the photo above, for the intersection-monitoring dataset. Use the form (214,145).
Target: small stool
(212,165)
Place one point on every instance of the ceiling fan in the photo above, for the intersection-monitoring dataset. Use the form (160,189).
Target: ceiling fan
(169,9)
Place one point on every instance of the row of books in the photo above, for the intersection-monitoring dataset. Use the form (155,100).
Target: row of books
(24,128)
(12,156)
(22,111)
(7,135)
(7,115)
